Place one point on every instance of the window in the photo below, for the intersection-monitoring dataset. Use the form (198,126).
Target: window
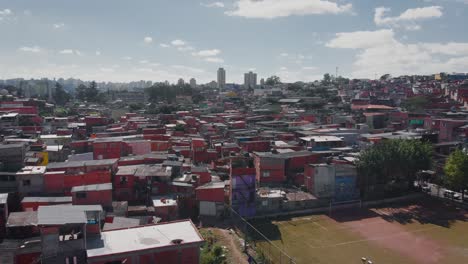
(81,195)
(26,182)
(123,180)
(266,174)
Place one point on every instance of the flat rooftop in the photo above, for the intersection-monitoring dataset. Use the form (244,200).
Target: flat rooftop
(92,187)
(142,238)
(61,199)
(17,219)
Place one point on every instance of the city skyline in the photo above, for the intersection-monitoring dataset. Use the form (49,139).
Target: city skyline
(160,41)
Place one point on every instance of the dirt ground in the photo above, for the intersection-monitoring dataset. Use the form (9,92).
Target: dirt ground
(425,232)
(231,241)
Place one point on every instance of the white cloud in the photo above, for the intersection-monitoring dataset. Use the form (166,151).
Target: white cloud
(33,49)
(5,14)
(284,54)
(143,69)
(380,53)
(127,58)
(178,43)
(148,40)
(269,9)
(289,75)
(407,18)
(214,4)
(58,25)
(66,51)
(144,62)
(207,53)
(187,68)
(214,59)
(163,45)
(362,39)
(71,51)
(451,48)
(185,48)
(98,53)
(309,68)
(107,69)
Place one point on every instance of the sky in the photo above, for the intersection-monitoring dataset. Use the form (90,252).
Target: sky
(298,40)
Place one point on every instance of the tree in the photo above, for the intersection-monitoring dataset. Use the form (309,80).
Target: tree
(136,106)
(179,127)
(417,103)
(385,77)
(92,92)
(273,80)
(81,92)
(326,79)
(295,86)
(392,164)
(163,92)
(61,97)
(456,171)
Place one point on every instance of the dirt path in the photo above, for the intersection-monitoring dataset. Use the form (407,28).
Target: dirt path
(232,244)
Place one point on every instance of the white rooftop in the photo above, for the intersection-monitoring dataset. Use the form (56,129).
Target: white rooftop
(3,198)
(92,187)
(65,214)
(161,202)
(62,199)
(142,238)
(321,138)
(32,170)
(54,136)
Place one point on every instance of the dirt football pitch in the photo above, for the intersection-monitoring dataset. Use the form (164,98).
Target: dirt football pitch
(424,232)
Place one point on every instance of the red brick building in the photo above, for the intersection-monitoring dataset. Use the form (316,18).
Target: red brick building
(93,194)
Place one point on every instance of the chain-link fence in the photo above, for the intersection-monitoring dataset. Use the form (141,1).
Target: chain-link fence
(266,251)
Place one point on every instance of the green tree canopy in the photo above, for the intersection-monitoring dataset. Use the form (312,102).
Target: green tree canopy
(393,164)
(61,97)
(273,80)
(80,92)
(416,103)
(326,79)
(456,171)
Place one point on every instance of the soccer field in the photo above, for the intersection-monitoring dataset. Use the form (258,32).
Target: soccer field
(426,232)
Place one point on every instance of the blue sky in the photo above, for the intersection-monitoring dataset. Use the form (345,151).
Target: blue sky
(123,40)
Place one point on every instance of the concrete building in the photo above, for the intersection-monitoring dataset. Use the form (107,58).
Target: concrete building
(174,242)
(12,156)
(30,180)
(221,79)
(250,80)
(180,82)
(211,198)
(193,83)
(64,230)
